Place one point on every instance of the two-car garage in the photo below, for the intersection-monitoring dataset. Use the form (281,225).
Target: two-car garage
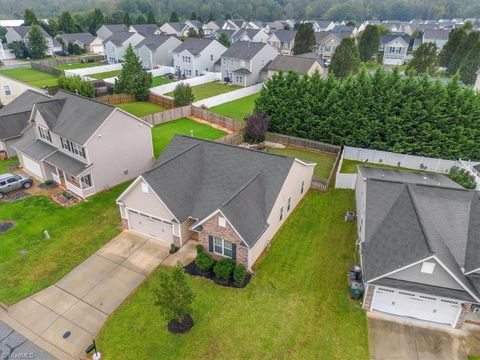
(150,226)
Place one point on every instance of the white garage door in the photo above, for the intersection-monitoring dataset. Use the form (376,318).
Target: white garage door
(32,166)
(150,226)
(419,306)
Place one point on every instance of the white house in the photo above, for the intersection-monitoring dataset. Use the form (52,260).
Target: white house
(253,35)
(116,44)
(195,56)
(175,28)
(105,31)
(92,44)
(394,49)
(20,33)
(437,36)
(157,50)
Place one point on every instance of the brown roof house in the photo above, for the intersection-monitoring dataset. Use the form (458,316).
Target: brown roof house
(231,199)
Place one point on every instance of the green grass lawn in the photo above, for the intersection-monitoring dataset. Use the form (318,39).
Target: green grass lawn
(160,80)
(76,233)
(141,108)
(105,75)
(5,163)
(78,65)
(350,166)
(324,161)
(31,76)
(296,306)
(473,357)
(163,133)
(237,109)
(210,89)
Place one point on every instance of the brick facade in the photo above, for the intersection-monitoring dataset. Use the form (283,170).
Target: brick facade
(124,224)
(461,319)
(211,227)
(368,297)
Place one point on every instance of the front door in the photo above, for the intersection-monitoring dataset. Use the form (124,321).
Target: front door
(61,175)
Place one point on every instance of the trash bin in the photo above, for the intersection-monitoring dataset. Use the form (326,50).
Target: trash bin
(356,290)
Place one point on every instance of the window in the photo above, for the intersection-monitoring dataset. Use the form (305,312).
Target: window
(44,134)
(7,90)
(86,180)
(222,222)
(231,62)
(222,247)
(281,213)
(211,57)
(289,203)
(72,147)
(303,187)
(427,267)
(144,188)
(239,79)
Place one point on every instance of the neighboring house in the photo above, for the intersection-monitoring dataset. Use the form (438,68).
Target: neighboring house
(231,199)
(229,33)
(20,33)
(105,31)
(84,145)
(15,115)
(91,44)
(175,28)
(477,82)
(302,65)
(157,50)
(145,29)
(322,25)
(242,63)
(5,52)
(283,41)
(195,56)
(394,49)
(326,42)
(234,24)
(212,27)
(253,35)
(115,45)
(437,36)
(194,24)
(11,88)
(287,24)
(419,245)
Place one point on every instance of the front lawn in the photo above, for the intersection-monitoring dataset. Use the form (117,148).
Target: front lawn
(141,108)
(7,162)
(350,166)
(296,306)
(105,75)
(160,80)
(78,65)
(29,262)
(324,161)
(163,133)
(238,109)
(210,89)
(31,76)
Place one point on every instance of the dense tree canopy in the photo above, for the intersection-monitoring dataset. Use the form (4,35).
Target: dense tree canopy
(369,42)
(383,111)
(425,59)
(36,44)
(304,39)
(133,79)
(346,59)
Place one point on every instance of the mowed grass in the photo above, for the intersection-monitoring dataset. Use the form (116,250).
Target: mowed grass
(238,109)
(324,161)
(31,76)
(29,262)
(160,80)
(296,306)
(106,74)
(162,134)
(78,65)
(141,108)
(210,89)
(351,166)
(4,164)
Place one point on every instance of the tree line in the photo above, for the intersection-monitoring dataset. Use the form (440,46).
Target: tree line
(384,111)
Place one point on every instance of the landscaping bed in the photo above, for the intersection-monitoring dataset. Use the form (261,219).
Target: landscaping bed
(350,166)
(6,225)
(141,108)
(66,198)
(14,196)
(238,109)
(31,76)
(210,89)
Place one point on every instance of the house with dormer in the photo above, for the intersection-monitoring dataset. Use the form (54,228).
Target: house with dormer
(196,56)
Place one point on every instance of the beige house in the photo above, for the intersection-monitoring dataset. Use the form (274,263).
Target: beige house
(300,64)
(327,42)
(91,44)
(230,199)
(10,89)
(283,41)
(84,145)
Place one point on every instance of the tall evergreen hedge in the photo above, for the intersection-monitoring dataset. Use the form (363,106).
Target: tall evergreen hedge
(384,111)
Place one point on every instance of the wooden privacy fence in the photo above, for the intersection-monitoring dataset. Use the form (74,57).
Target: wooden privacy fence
(217,119)
(304,143)
(161,100)
(116,99)
(46,68)
(69,60)
(168,115)
(232,139)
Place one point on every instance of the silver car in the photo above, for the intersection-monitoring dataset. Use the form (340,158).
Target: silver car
(12,182)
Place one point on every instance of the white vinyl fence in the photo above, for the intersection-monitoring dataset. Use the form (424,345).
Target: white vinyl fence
(92,70)
(198,80)
(155,72)
(229,96)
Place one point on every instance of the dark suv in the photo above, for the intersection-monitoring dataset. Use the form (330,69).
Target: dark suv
(12,182)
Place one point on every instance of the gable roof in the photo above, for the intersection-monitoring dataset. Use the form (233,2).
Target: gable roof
(195,23)
(291,63)
(194,45)
(85,38)
(195,178)
(23,31)
(177,26)
(385,39)
(113,28)
(285,35)
(153,42)
(251,33)
(436,34)
(245,50)
(118,38)
(322,35)
(145,29)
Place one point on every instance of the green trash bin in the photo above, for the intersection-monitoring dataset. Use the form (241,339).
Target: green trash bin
(356,290)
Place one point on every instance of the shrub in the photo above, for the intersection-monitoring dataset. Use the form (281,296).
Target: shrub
(223,269)
(183,95)
(204,261)
(199,248)
(463,177)
(173,248)
(256,125)
(239,274)
(76,85)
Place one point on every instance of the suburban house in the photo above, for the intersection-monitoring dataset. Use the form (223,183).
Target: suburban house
(20,33)
(84,145)
(287,24)
(234,24)
(105,31)
(10,89)
(157,50)
(394,48)
(5,52)
(419,245)
(297,63)
(194,24)
(115,45)
(229,33)
(230,199)
(242,63)
(175,28)
(283,41)
(14,118)
(212,27)
(144,29)
(253,35)
(437,36)
(91,44)
(195,56)
(327,41)
(322,25)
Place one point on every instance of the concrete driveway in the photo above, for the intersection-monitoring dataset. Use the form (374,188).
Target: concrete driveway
(395,338)
(69,314)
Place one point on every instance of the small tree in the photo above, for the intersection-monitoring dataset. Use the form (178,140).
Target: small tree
(256,125)
(369,42)
(304,39)
(126,19)
(183,95)
(75,49)
(175,297)
(36,43)
(346,59)
(76,85)
(141,19)
(30,18)
(19,49)
(462,177)
(425,59)
(224,40)
(66,23)
(192,32)
(470,65)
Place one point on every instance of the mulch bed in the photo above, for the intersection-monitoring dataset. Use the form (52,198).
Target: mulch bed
(19,195)
(192,269)
(67,201)
(180,327)
(6,225)
(48,186)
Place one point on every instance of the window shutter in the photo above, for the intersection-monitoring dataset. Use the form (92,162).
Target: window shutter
(210,243)
(234,251)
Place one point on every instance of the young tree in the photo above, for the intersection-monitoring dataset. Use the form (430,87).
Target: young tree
(19,49)
(425,59)
(455,38)
(192,33)
(51,27)
(76,85)
(210,17)
(369,42)
(126,19)
(96,20)
(462,51)
(36,43)
(183,95)
(304,39)
(201,33)
(151,17)
(133,79)
(224,40)
(30,18)
(66,23)
(256,125)
(470,65)
(174,296)
(228,16)
(346,59)
(174,17)
(3,31)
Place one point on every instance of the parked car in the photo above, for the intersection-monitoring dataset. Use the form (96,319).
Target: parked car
(12,182)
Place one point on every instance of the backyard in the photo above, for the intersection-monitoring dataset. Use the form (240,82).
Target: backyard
(141,108)
(31,76)
(350,166)
(237,109)
(106,74)
(210,89)
(4,164)
(160,80)
(78,65)
(296,306)
(163,133)
(29,262)
(324,161)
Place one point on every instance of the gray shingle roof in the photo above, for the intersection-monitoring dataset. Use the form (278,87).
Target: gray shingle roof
(197,177)
(436,34)
(85,38)
(116,28)
(285,35)
(67,163)
(118,38)
(178,26)
(145,29)
(322,35)
(23,31)
(291,63)
(153,42)
(245,50)
(251,33)
(385,39)
(35,149)
(194,45)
